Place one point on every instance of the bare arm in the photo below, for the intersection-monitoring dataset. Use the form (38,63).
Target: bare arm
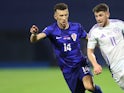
(96,67)
(35,36)
(86,37)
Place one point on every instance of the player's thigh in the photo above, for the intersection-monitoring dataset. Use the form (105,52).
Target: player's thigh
(121,82)
(121,79)
(88,82)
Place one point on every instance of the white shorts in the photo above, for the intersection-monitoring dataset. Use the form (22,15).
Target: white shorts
(119,78)
(118,74)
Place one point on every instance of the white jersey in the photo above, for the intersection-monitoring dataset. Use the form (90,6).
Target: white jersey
(110,40)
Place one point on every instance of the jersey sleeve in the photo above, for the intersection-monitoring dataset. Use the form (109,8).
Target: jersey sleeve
(92,41)
(83,33)
(47,31)
(121,25)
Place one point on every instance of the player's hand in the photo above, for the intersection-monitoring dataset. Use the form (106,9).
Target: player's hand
(97,69)
(34,29)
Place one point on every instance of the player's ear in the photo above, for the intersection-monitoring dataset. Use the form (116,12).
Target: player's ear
(55,16)
(108,14)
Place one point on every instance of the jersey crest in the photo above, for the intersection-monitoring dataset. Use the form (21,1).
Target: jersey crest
(74,36)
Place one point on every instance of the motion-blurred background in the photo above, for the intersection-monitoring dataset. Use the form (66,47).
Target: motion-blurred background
(17,16)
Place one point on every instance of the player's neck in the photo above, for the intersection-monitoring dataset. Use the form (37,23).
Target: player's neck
(107,23)
(64,27)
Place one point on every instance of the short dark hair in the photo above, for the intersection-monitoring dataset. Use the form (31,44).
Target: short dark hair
(101,7)
(60,6)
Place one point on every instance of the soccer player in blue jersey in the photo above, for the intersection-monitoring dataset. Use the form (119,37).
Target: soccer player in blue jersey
(65,37)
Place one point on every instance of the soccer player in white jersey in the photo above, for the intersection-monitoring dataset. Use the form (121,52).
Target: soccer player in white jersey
(107,34)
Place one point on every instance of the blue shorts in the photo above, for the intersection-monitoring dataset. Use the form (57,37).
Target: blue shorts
(74,78)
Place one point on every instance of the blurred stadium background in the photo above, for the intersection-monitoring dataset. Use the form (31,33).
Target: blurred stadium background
(32,68)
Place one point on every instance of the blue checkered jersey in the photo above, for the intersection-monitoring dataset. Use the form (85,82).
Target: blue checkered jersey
(66,44)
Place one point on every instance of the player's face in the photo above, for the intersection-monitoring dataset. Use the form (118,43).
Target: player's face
(61,17)
(102,18)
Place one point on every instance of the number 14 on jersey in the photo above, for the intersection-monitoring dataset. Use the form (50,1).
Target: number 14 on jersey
(67,47)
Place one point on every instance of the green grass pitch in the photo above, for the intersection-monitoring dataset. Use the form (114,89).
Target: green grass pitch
(47,80)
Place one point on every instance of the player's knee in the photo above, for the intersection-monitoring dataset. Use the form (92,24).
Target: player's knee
(88,83)
(89,87)
(121,82)
(121,85)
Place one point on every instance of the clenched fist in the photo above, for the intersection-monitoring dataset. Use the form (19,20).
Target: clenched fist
(34,29)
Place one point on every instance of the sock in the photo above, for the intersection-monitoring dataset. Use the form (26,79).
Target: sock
(97,89)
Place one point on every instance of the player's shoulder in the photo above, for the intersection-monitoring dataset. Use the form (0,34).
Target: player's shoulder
(52,26)
(94,27)
(94,30)
(75,24)
(115,21)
